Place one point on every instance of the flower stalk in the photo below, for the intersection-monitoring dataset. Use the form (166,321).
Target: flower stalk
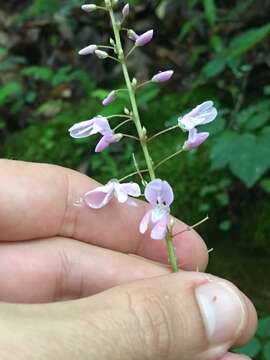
(136,118)
(158,193)
(131,92)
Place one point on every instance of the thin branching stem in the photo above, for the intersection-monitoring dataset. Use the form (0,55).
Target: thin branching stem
(143,84)
(189,228)
(130,136)
(133,174)
(167,159)
(122,123)
(162,132)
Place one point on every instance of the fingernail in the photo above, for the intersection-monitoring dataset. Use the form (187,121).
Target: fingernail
(222,310)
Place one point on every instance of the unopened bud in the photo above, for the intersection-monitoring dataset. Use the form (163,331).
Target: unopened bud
(163,76)
(126,111)
(171,223)
(101,54)
(145,38)
(109,99)
(88,50)
(89,7)
(134,82)
(132,35)
(125,10)
(144,132)
(112,42)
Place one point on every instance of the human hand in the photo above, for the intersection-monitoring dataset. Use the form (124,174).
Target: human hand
(52,250)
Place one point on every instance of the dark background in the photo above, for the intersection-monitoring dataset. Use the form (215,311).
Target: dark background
(219,50)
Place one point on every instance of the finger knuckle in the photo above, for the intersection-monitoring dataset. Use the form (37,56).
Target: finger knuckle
(154,321)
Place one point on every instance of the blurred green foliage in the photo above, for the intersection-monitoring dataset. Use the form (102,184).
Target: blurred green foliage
(219,50)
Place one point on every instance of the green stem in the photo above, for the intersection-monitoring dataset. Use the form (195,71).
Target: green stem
(171,252)
(136,116)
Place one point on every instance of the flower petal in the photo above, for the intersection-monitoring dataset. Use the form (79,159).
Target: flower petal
(131,189)
(102,144)
(82,129)
(158,191)
(159,231)
(145,222)
(195,139)
(153,191)
(99,197)
(201,114)
(101,125)
(167,193)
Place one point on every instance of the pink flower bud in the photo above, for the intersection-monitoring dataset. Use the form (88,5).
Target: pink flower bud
(89,7)
(125,10)
(109,99)
(101,54)
(145,38)
(163,76)
(88,50)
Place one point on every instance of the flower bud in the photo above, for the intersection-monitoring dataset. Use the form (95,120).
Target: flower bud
(125,10)
(89,7)
(112,42)
(109,99)
(126,111)
(132,35)
(145,38)
(163,76)
(134,82)
(88,50)
(101,54)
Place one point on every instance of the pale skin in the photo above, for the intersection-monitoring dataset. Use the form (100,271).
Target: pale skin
(52,252)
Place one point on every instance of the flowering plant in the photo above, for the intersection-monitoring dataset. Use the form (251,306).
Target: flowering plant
(157,192)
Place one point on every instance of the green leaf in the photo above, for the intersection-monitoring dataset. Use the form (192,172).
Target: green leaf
(38,73)
(251,349)
(265,185)
(188,26)
(225,225)
(247,40)
(266,351)
(210,11)
(222,150)
(214,66)
(264,327)
(247,155)
(254,116)
(9,90)
(251,157)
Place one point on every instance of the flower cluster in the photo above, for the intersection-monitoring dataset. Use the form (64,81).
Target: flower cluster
(157,192)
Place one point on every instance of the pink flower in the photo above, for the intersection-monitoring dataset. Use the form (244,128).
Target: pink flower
(160,195)
(88,50)
(163,76)
(200,115)
(101,196)
(89,127)
(109,98)
(145,38)
(98,124)
(195,139)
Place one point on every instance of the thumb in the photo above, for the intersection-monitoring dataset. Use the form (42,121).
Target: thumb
(187,316)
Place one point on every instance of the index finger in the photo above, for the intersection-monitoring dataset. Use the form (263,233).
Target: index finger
(37,201)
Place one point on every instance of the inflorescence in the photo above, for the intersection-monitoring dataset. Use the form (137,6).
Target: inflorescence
(157,192)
